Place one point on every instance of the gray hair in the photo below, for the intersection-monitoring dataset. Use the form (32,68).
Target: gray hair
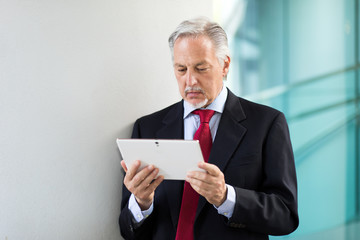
(202,27)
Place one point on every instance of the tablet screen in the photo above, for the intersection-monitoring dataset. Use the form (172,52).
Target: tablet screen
(174,158)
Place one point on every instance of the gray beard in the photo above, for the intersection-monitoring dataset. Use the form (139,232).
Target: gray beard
(200,104)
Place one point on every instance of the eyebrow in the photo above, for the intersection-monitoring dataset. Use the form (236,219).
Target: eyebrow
(201,63)
(178,65)
(196,65)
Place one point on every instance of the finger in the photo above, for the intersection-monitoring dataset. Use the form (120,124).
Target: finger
(200,187)
(149,189)
(205,180)
(132,170)
(151,177)
(199,184)
(139,178)
(210,168)
(212,193)
(136,185)
(147,186)
(202,176)
(155,183)
(123,165)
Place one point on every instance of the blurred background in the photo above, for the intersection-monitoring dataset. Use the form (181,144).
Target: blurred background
(302,57)
(74,76)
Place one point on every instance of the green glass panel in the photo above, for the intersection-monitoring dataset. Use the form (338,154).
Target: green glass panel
(300,57)
(321,37)
(309,131)
(321,94)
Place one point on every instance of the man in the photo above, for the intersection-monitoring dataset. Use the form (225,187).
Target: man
(248,190)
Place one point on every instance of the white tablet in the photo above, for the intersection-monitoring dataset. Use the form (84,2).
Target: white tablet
(174,158)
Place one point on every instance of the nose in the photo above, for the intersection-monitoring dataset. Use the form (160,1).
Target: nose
(190,78)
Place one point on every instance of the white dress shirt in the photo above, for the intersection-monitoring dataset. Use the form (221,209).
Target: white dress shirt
(191,124)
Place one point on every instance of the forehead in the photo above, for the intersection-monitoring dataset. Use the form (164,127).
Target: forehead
(191,50)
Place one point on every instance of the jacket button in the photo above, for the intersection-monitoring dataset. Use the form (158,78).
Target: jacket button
(241,225)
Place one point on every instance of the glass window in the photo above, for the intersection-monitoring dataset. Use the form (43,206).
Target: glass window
(300,57)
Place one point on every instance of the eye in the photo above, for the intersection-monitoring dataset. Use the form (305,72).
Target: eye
(181,69)
(202,69)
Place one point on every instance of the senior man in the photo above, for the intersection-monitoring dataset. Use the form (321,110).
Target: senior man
(248,190)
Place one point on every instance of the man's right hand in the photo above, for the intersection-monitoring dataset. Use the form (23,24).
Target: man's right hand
(143,183)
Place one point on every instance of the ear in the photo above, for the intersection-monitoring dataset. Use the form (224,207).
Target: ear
(226,66)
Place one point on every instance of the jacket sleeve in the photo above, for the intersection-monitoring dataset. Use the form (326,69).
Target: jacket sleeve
(272,209)
(128,227)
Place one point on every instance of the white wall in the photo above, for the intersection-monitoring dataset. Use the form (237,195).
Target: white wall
(74,75)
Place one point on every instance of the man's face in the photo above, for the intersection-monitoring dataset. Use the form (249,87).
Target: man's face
(198,71)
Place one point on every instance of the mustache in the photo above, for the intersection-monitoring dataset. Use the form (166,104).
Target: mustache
(193,89)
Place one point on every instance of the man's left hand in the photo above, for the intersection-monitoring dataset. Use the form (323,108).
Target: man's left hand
(209,184)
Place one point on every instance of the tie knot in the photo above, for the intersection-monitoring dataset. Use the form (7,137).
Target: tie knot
(205,115)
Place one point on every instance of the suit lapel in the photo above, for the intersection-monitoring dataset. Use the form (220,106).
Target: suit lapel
(229,133)
(173,128)
(228,137)
(227,140)
(173,123)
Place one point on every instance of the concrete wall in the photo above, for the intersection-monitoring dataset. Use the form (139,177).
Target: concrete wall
(74,75)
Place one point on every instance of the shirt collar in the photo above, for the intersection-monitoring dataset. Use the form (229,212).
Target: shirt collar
(217,105)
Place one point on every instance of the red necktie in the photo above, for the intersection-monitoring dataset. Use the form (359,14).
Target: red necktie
(185,229)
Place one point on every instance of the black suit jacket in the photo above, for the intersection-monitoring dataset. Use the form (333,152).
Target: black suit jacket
(253,149)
